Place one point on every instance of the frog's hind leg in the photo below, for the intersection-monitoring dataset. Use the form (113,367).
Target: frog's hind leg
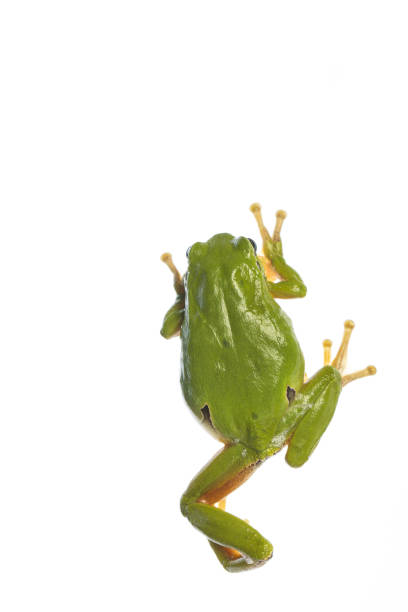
(222,504)
(238,546)
(314,404)
(224,553)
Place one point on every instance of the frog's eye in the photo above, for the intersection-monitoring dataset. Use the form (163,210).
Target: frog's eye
(188,251)
(253,244)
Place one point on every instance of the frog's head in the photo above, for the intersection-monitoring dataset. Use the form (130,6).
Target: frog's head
(223,263)
(222,251)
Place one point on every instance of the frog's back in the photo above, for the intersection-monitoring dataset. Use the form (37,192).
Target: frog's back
(239,351)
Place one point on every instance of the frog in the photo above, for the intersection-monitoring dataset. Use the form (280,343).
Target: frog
(243,377)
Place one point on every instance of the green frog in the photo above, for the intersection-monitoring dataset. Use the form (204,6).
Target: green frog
(243,376)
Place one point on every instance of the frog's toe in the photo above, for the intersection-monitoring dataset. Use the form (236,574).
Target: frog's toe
(368,371)
(339,362)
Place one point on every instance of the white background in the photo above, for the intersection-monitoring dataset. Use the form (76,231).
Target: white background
(133,128)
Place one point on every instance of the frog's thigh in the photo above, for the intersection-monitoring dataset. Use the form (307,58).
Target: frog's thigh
(227,533)
(319,397)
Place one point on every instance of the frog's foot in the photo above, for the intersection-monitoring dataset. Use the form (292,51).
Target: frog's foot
(178,281)
(280,217)
(289,284)
(269,242)
(269,270)
(339,362)
(230,558)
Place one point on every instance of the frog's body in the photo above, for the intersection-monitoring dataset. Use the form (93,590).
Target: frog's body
(230,318)
(242,374)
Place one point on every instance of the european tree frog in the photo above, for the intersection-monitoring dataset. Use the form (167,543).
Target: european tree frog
(242,374)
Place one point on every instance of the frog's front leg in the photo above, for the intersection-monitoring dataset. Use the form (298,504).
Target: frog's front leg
(290,284)
(313,406)
(238,546)
(175,315)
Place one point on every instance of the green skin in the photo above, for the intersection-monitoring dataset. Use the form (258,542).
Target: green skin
(242,373)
